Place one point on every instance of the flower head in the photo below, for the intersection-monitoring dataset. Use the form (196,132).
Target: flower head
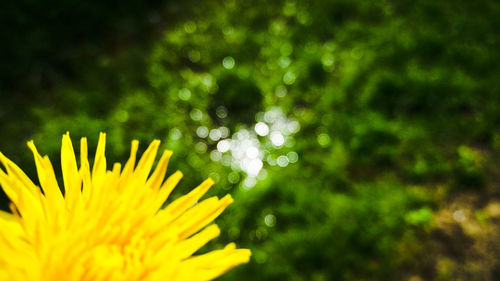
(108,225)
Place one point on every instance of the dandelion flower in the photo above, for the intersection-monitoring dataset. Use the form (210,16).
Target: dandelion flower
(108,225)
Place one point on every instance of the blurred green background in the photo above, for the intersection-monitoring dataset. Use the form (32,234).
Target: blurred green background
(359,138)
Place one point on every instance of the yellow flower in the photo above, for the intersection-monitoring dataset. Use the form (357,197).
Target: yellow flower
(109,225)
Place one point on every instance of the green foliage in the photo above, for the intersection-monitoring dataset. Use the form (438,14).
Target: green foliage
(331,236)
(392,99)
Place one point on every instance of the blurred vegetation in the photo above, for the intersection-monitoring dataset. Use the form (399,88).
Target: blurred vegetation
(379,109)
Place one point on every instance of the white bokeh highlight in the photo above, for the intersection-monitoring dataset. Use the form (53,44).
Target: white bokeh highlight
(250,150)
